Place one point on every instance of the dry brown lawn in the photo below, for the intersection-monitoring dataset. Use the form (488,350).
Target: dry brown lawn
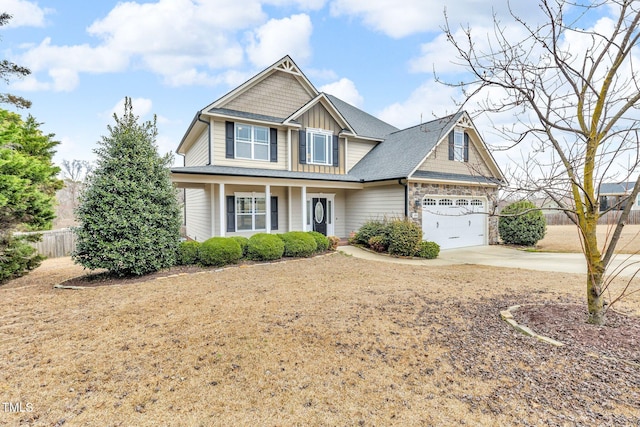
(565,238)
(332,340)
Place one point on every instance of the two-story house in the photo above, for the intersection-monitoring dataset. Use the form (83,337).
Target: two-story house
(275,155)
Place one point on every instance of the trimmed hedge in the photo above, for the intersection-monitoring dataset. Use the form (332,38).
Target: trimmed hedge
(321,240)
(525,224)
(265,247)
(243,242)
(428,250)
(298,244)
(404,237)
(188,252)
(219,251)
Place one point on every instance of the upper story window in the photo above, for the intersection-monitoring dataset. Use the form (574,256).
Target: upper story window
(319,147)
(458,145)
(251,142)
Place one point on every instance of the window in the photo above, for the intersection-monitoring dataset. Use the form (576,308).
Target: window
(252,142)
(428,202)
(638,200)
(476,202)
(251,212)
(462,202)
(445,202)
(319,147)
(458,145)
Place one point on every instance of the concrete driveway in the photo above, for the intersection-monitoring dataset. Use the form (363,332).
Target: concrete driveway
(500,256)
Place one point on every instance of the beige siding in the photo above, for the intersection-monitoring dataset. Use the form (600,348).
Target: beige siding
(340,215)
(296,209)
(373,203)
(317,118)
(278,95)
(439,161)
(198,218)
(219,152)
(198,153)
(356,150)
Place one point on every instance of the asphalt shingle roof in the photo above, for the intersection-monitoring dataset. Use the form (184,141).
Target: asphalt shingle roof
(363,123)
(616,188)
(402,151)
(263,173)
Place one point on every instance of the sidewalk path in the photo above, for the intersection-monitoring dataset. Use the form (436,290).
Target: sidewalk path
(500,256)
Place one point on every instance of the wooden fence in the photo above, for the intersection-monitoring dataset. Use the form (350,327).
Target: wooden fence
(611,217)
(55,243)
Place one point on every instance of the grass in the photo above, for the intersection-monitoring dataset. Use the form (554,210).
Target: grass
(565,238)
(332,340)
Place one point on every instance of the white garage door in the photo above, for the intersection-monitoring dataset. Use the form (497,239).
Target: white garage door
(454,222)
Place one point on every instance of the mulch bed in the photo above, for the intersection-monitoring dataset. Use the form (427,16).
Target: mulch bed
(567,323)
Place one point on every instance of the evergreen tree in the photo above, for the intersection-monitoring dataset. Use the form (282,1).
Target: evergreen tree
(128,213)
(27,190)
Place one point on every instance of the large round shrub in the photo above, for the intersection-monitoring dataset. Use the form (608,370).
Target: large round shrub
(428,250)
(521,223)
(298,244)
(265,247)
(321,240)
(243,242)
(369,229)
(188,252)
(219,251)
(404,237)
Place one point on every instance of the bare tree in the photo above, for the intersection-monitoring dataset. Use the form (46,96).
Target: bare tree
(74,174)
(8,69)
(572,88)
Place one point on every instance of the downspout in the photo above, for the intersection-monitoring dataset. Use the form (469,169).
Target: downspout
(208,136)
(406,196)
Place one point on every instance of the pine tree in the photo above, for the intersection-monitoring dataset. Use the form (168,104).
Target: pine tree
(128,213)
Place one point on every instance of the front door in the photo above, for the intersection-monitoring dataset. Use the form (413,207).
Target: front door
(319,210)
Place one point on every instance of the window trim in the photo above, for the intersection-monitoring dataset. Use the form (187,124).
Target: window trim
(253,213)
(252,141)
(458,145)
(310,143)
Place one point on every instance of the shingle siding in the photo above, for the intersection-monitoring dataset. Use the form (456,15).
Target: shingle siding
(279,95)
(439,161)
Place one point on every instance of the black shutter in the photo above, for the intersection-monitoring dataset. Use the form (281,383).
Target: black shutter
(231,213)
(335,151)
(274,212)
(273,143)
(466,147)
(229,139)
(302,147)
(451,146)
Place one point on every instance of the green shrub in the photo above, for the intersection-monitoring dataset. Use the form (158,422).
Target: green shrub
(369,229)
(404,237)
(523,224)
(333,242)
(265,247)
(298,244)
(321,240)
(188,252)
(428,250)
(243,242)
(377,244)
(219,251)
(17,257)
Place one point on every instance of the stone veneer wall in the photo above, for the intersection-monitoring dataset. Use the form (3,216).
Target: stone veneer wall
(417,191)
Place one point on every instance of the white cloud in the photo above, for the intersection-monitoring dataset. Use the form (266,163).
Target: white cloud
(279,37)
(344,89)
(417,16)
(24,13)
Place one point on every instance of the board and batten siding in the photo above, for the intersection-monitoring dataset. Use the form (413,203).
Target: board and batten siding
(198,153)
(439,161)
(373,203)
(357,150)
(278,95)
(219,155)
(198,213)
(317,117)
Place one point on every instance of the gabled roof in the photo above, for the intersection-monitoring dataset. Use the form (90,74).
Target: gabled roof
(364,124)
(322,99)
(403,151)
(619,188)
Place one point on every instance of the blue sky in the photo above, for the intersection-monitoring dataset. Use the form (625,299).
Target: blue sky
(174,57)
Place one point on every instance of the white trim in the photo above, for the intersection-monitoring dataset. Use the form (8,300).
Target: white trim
(346,154)
(290,208)
(310,145)
(289,149)
(331,109)
(303,199)
(221,209)
(253,196)
(211,139)
(252,141)
(454,182)
(189,179)
(267,207)
(453,197)
(212,208)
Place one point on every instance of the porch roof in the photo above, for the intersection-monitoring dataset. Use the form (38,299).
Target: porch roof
(264,173)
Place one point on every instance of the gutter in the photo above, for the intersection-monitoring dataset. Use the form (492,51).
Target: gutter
(208,135)
(406,196)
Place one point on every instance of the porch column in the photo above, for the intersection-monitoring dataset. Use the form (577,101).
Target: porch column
(289,208)
(267,202)
(304,207)
(221,209)
(212,208)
